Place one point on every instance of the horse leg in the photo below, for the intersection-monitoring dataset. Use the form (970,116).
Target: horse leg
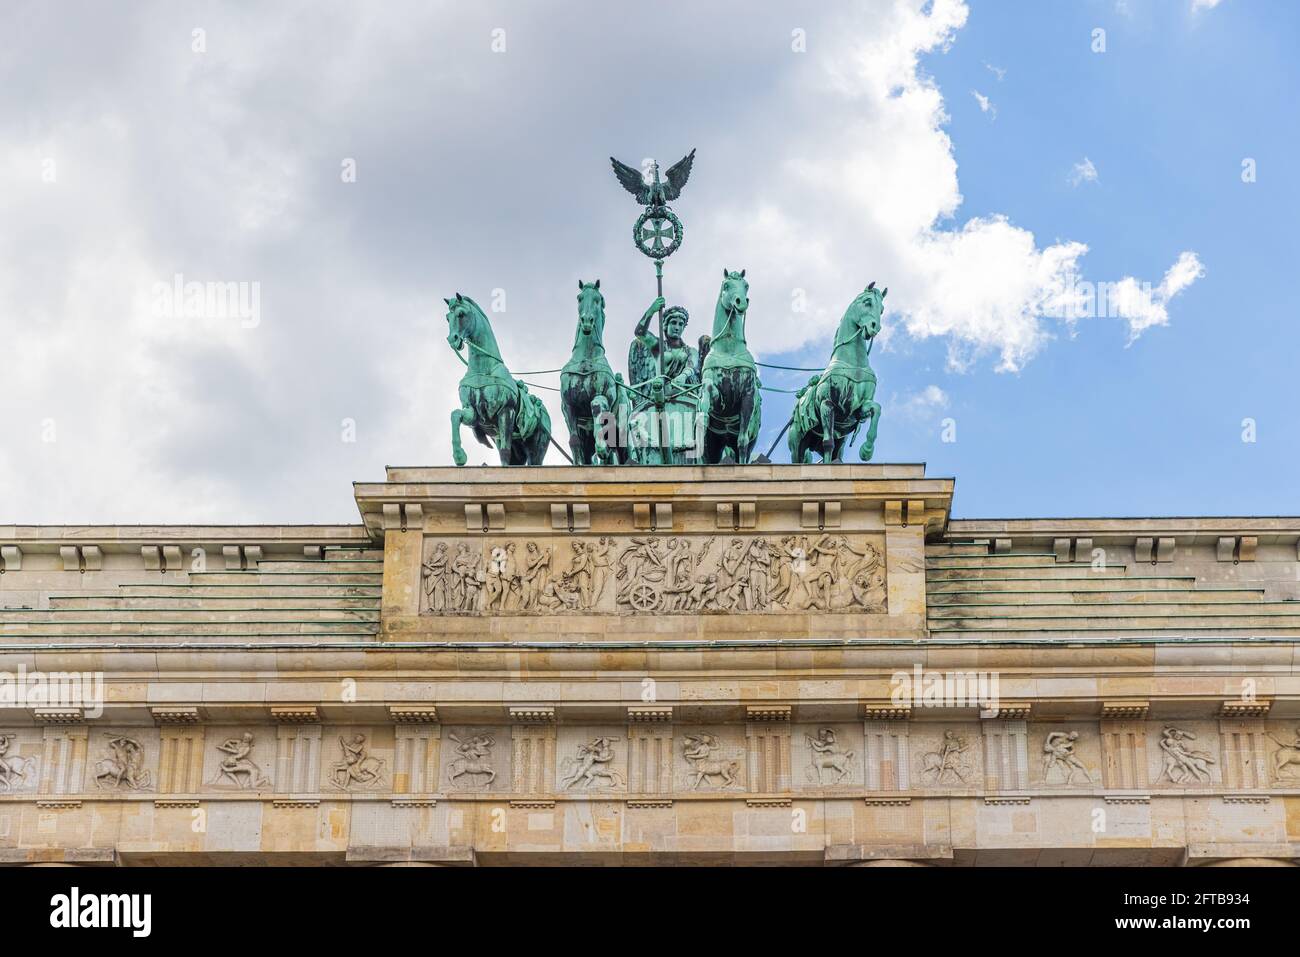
(800,443)
(826,416)
(462,416)
(706,446)
(838,454)
(505,434)
(532,451)
(569,407)
(747,427)
(868,446)
(600,450)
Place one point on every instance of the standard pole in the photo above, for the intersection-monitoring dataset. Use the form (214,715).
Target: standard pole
(662,410)
(659,280)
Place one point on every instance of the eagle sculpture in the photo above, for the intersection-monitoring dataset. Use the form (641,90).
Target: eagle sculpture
(657,193)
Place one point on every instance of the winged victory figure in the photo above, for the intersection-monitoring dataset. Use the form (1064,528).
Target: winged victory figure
(658,192)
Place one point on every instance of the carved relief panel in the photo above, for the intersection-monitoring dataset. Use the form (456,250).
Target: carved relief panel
(358,759)
(123,760)
(826,756)
(1283,747)
(20,760)
(946,755)
(592,759)
(1064,755)
(654,574)
(239,758)
(475,759)
(710,759)
(1183,754)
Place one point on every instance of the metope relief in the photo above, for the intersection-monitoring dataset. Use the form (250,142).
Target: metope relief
(18,772)
(236,764)
(711,762)
(359,770)
(1062,762)
(830,762)
(473,760)
(951,760)
(122,766)
(654,575)
(1184,756)
(1286,759)
(593,765)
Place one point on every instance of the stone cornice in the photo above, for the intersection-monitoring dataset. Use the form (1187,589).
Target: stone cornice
(449,490)
(129,538)
(1187,530)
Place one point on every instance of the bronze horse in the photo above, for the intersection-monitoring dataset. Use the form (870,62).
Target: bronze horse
(588,390)
(498,407)
(834,405)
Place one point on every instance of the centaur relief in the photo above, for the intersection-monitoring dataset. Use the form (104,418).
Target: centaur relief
(655,574)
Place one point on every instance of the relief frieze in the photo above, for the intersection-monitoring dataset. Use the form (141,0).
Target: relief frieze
(655,575)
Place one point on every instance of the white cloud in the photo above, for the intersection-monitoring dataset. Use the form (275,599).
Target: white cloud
(997,71)
(921,405)
(1143,307)
(225,167)
(985,105)
(1084,171)
(1198,5)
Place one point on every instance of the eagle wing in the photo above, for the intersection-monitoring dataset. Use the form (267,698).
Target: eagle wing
(632,180)
(678,174)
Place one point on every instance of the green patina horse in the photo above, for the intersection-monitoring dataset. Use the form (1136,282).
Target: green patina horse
(835,403)
(730,405)
(588,389)
(498,407)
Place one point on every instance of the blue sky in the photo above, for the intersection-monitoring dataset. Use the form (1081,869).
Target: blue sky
(839,143)
(1091,426)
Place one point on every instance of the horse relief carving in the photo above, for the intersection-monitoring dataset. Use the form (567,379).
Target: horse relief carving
(473,765)
(359,769)
(1286,759)
(948,765)
(707,766)
(592,767)
(651,574)
(17,772)
(237,769)
(123,768)
(829,764)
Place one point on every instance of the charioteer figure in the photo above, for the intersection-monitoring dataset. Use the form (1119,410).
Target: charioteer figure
(681,359)
(663,407)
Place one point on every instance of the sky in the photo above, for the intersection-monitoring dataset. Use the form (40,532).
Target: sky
(1083,213)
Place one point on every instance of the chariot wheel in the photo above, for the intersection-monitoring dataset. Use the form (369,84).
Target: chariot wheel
(643,596)
(862,586)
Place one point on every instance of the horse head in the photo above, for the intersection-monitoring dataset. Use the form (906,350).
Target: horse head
(862,318)
(733,303)
(591,313)
(463,317)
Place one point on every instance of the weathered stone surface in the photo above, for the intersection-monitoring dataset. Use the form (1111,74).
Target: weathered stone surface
(833,672)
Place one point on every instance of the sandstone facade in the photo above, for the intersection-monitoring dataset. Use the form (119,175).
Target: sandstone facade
(767,664)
